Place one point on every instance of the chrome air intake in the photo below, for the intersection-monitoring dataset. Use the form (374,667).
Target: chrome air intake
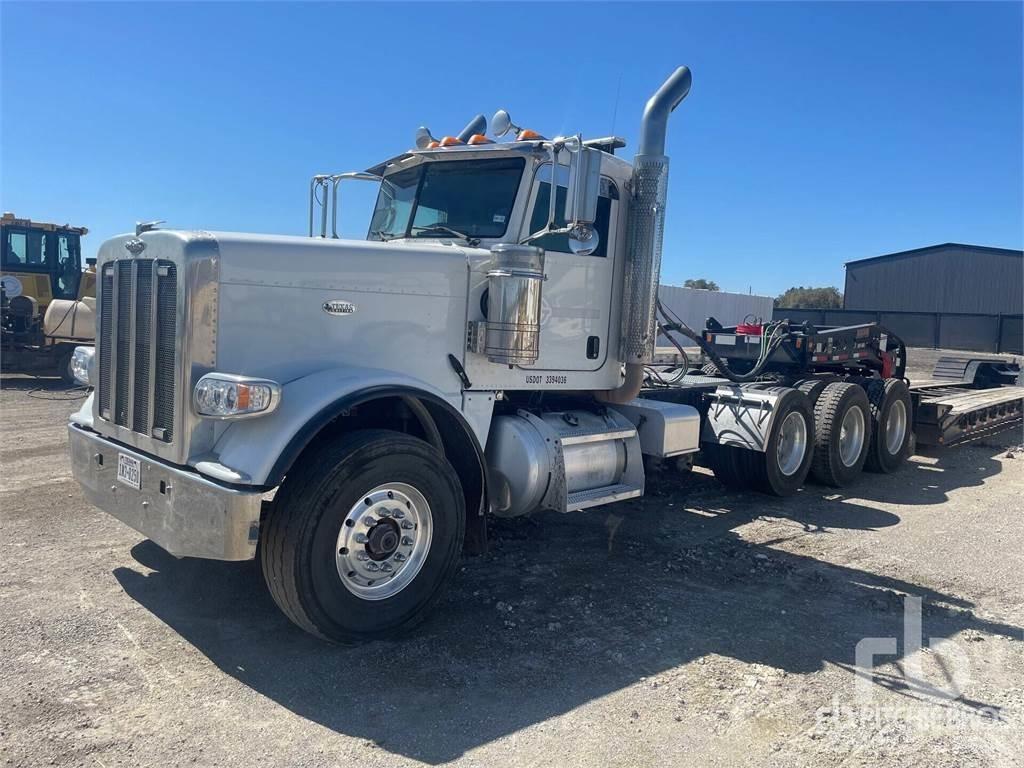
(514,284)
(647,221)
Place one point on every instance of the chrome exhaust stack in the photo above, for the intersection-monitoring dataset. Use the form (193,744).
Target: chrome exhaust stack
(646,229)
(477,125)
(647,220)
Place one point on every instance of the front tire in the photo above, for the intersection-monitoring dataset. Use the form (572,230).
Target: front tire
(361,540)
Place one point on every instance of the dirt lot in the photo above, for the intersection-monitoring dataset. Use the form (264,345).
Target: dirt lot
(689,627)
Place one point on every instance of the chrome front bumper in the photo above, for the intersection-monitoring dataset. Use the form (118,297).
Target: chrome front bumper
(180,510)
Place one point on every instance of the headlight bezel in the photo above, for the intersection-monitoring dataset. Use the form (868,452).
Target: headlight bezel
(83,361)
(226,380)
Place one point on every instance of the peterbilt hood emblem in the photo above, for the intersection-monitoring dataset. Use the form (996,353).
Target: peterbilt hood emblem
(135,246)
(339,308)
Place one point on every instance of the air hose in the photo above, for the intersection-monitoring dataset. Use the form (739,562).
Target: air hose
(766,352)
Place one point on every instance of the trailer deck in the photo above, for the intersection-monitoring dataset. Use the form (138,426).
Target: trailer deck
(967,399)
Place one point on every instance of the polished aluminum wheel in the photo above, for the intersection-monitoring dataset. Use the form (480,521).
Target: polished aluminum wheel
(896,427)
(851,436)
(384,541)
(792,445)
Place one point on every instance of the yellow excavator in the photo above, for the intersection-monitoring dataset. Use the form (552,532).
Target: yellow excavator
(48,301)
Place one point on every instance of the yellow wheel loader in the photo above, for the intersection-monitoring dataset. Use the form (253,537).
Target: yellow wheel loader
(48,301)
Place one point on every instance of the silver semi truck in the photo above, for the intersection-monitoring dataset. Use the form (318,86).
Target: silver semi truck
(351,411)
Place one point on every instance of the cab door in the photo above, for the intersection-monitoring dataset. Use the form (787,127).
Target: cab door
(576,297)
(67,272)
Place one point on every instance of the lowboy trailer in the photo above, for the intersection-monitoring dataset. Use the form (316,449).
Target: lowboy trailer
(351,411)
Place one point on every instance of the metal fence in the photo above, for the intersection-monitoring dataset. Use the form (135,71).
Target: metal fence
(941,330)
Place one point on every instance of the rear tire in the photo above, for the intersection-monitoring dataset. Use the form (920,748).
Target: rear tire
(842,434)
(891,425)
(812,388)
(783,467)
(326,568)
(727,462)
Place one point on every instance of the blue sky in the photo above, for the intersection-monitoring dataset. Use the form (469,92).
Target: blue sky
(815,133)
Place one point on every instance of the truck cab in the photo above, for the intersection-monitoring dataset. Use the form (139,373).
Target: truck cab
(394,378)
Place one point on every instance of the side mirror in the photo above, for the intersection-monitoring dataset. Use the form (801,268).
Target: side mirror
(423,137)
(582,193)
(501,123)
(584,185)
(584,241)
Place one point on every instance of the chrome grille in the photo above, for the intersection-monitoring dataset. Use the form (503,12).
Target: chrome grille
(138,325)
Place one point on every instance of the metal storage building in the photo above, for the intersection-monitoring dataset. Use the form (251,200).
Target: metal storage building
(948,296)
(947,278)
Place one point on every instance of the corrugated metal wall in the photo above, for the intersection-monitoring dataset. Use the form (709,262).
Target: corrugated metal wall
(695,306)
(949,278)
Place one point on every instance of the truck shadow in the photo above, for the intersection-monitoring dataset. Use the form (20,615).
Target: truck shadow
(935,471)
(562,610)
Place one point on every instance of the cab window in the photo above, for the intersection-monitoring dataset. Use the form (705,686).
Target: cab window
(25,250)
(437,199)
(541,207)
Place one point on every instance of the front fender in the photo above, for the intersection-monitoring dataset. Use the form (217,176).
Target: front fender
(255,447)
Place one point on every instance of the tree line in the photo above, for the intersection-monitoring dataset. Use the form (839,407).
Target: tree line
(797,297)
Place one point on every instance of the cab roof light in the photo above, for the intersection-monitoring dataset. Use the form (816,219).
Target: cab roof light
(451,141)
(527,135)
(433,144)
(478,138)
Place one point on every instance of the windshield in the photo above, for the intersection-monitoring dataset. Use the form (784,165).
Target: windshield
(471,198)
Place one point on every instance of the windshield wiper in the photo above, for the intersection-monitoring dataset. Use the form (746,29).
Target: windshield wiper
(444,228)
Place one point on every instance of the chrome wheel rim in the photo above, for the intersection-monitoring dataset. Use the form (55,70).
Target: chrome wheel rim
(851,436)
(896,427)
(384,541)
(792,445)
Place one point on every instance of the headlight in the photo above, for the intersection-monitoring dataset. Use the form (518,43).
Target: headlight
(81,365)
(225,396)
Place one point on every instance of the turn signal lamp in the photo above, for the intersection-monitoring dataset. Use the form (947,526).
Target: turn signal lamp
(224,396)
(451,141)
(433,145)
(527,135)
(479,138)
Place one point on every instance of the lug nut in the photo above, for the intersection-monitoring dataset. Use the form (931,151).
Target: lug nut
(362,556)
(361,538)
(369,520)
(397,514)
(386,567)
(385,512)
(399,557)
(406,540)
(407,525)
(372,567)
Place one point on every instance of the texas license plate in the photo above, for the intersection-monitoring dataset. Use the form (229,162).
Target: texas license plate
(129,471)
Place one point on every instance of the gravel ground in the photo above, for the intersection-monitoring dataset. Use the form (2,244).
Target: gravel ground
(692,626)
